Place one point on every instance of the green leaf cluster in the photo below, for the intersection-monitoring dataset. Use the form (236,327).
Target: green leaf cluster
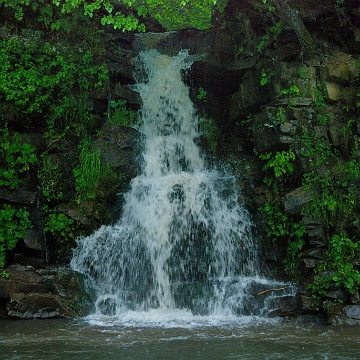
(211,131)
(280,226)
(280,162)
(38,78)
(60,224)
(16,158)
(124,15)
(13,226)
(337,271)
(120,114)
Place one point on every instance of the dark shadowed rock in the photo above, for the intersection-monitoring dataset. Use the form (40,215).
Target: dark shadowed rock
(30,293)
(345,315)
(20,196)
(285,306)
(295,200)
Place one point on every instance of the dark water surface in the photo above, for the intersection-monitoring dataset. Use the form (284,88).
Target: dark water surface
(250,339)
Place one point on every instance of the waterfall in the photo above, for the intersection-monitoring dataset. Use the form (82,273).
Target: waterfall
(182,241)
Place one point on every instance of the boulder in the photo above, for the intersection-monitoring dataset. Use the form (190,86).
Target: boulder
(344,315)
(285,306)
(19,196)
(44,293)
(295,200)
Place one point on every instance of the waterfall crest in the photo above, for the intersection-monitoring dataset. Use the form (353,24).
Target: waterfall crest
(182,241)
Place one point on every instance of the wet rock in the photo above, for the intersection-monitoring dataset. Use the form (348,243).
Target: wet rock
(337,296)
(117,145)
(34,239)
(288,75)
(307,304)
(333,90)
(44,293)
(33,306)
(344,315)
(355,298)
(315,231)
(250,94)
(295,200)
(288,128)
(19,196)
(74,212)
(285,306)
(339,67)
(32,261)
(126,93)
(312,257)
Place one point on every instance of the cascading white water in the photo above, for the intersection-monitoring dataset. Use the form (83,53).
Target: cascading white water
(183,241)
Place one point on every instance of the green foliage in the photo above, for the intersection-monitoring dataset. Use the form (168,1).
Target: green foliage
(302,73)
(120,114)
(15,158)
(50,178)
(171,14)
(5,274)
(333,202)
(277,29)
(91,174)
(40,79)
(211,132)
(13,226)
(262,43)
(280,115)
(337,271)
(265,77)
(281,162)
(180,14)
(59,224)
(292,91)
(280,226)
(319,98)
(201,94)
(88,174)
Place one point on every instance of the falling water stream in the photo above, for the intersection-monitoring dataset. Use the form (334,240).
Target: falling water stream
(183,241)
(177,276)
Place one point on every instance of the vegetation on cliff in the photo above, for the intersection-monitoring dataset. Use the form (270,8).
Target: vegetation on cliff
(53,80)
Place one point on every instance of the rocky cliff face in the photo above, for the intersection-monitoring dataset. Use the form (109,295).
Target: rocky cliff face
(280,82)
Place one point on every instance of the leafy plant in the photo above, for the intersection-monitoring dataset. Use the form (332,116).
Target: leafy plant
(292,91)
(340,272)
(262,42)
(201,94)
(59,224)
(302,73)
(333,203)
(171,14)
(211,132)
(38,78)
(281,162)
(16,158)
(265,77)
(279,226)
(13,225)
(120,114)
